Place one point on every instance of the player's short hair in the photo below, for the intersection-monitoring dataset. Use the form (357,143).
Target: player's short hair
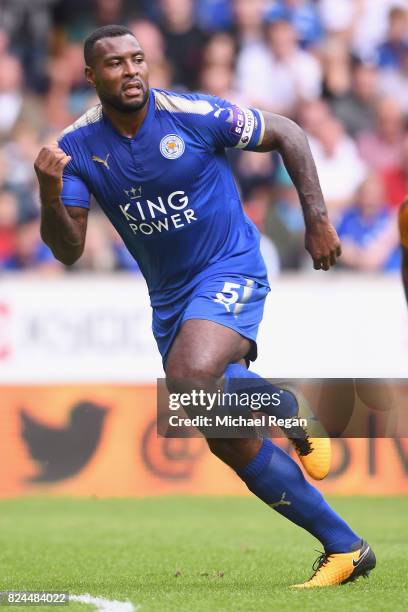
(109,31)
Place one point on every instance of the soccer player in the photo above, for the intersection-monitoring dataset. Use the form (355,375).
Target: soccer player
(403,227)
(155,162)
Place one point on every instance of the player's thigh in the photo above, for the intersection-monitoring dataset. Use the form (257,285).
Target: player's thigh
(219,326)
(204,349)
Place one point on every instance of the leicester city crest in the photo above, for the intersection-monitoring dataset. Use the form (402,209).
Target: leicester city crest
(172,146)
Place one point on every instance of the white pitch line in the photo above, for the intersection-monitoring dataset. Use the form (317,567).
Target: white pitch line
(104,605)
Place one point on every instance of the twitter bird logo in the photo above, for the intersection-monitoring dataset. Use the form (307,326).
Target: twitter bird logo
(63,452)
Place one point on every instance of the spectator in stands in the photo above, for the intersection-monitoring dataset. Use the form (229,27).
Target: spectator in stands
(11,92)
(98,254)
(252,168)
(256,205)
(184,41)
(336,65)
(339,165)
(28,24)
(80,95)
(20,152)
(303,15)
(381,147)
(109,11)
(66,14)
(394,81)
(270,53)
(214,15)
(295,74)
(218,80)
(29,250)
(396,179)
(285,75)
(8,223)
(361,23)
(311,115)
(285,224)
(152,42)
(391,51)
(150,38)
(221,49)
(122,259)
(248,21)
(368,231)
(336,17)
(370,28)
(355,108)
(79,21)
(217,74)
(4,42)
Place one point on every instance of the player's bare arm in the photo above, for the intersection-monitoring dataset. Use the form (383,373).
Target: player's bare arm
(286,137)
(63,228)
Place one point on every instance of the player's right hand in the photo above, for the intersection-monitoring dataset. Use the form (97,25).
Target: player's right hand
(49,166)
(323,244)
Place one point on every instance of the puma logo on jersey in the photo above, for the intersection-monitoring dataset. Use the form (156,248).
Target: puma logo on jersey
(281,502)
(95,158)
(219,110)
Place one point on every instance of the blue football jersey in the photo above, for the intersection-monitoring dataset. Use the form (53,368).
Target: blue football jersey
(169,191)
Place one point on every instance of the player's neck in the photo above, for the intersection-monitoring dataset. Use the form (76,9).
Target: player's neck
(127,124)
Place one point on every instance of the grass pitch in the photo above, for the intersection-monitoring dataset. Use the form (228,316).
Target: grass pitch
(193,554)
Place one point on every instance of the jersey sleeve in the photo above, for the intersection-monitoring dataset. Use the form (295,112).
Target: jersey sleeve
(231,126)
(74,189)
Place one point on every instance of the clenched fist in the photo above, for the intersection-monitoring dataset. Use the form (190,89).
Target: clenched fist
(49,166)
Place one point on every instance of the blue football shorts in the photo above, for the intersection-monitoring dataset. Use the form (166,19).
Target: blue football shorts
(233,301)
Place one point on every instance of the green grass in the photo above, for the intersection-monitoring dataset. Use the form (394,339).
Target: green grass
(131,550)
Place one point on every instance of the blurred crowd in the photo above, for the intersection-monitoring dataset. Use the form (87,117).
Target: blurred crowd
(337,67)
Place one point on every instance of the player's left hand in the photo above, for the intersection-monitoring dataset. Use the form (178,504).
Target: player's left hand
(323,244)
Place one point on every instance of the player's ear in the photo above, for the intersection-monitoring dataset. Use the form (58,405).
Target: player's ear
(89,75)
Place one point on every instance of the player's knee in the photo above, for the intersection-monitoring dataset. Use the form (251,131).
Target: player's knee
(181,377)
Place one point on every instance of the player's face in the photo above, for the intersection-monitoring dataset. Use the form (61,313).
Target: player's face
(119,73)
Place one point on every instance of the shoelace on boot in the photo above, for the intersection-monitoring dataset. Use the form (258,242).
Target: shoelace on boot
(299,438)
(320,562)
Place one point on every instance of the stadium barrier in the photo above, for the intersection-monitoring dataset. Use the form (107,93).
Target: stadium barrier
(101,440)
(78,365)
(96,329)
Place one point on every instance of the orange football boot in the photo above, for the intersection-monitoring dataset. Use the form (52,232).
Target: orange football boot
(333,569)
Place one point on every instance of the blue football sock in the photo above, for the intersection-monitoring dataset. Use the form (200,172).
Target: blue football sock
(278,481)
(237,379)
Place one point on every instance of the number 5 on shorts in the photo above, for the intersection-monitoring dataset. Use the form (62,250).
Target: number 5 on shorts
(228,296)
